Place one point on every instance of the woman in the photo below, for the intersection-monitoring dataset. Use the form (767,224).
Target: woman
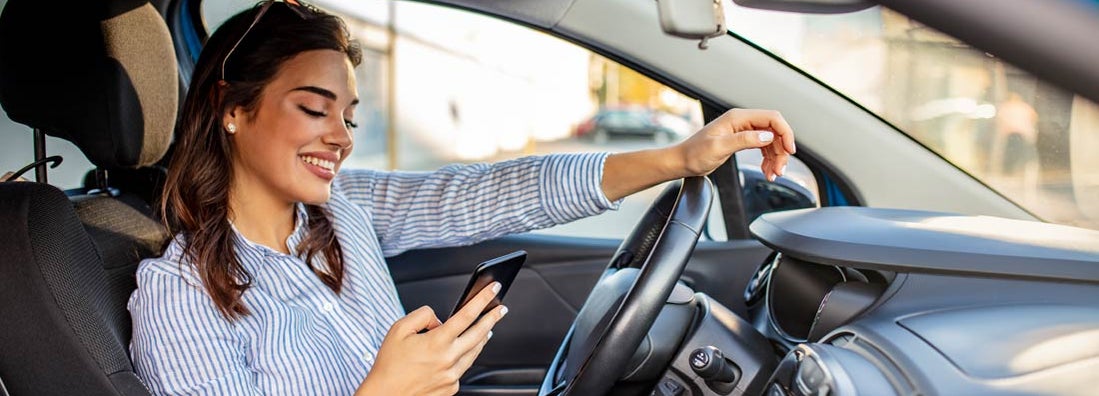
(276,281)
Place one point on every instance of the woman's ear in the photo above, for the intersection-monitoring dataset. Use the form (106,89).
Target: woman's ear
(230,121)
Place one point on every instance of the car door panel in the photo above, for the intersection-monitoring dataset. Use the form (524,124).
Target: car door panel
(543,299)
(547,294)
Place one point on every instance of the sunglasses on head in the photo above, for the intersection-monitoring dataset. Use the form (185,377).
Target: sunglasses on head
(294,5)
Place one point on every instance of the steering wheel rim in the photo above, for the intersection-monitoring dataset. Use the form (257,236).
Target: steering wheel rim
(605,334)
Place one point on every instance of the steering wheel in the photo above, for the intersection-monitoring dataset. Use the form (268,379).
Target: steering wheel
(631,292)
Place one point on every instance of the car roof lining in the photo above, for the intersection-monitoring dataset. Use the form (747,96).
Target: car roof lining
(541,13)
(1007,33)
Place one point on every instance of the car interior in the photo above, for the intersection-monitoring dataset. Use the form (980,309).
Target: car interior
(906,276)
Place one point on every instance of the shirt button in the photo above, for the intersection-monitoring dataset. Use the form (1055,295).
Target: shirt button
(328,307)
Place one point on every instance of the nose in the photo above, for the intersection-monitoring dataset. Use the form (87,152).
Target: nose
(340,137)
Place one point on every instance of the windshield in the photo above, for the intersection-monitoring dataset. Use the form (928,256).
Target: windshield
(1032,142)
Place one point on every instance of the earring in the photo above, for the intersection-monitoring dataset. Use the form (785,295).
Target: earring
(232,128)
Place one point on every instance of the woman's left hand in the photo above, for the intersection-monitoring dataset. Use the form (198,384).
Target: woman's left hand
(700,154)
(736,130)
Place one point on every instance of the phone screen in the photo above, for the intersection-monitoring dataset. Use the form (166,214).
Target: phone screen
(502,269)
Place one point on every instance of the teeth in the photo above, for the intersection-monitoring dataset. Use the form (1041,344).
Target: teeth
(329,165)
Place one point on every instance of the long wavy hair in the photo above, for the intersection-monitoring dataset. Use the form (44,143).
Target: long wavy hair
(195,202)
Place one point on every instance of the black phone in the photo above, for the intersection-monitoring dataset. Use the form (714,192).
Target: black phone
(502,269)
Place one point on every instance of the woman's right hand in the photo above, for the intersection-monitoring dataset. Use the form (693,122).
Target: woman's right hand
(430,363)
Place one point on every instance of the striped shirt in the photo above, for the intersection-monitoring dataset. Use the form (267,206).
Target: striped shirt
(303,339)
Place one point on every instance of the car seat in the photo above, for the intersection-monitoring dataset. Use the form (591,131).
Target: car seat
(103,75)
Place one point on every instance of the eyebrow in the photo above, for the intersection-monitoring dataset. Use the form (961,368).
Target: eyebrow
(322,92)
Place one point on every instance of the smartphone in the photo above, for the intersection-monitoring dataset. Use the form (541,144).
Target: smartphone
(502,269)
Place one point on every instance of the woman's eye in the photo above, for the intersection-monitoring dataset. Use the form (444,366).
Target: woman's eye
(350,124)
(312,113)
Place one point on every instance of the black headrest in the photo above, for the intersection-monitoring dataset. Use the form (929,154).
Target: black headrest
(101,74)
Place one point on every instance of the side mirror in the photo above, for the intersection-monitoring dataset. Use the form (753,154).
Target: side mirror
(692,19)
(761,196)
(797,190)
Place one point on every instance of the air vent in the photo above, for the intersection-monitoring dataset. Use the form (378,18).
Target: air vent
(868,351)
(753,293)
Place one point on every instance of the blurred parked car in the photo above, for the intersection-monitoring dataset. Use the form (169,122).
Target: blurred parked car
(634,122)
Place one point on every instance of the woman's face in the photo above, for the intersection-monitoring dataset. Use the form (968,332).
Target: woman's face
(291,147)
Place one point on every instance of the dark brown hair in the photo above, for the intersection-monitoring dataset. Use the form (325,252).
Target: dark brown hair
(195,202)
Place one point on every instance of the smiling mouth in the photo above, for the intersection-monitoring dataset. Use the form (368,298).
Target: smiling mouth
(328,165)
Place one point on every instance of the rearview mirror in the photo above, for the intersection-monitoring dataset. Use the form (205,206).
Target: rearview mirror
(692,19)
(705,19)
(808,6)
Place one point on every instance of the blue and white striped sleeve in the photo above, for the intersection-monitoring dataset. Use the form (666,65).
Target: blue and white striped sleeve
(464,204)
(181,344)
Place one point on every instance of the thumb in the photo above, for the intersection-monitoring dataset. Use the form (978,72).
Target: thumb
(752,139)
(420,319)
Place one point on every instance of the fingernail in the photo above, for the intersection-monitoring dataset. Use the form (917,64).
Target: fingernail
(490,334)
(782,172)
(766,136)
(503,311)
(495,287)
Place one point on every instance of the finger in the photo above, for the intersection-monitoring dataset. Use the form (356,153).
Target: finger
(783,158)
(785,134)
(422,318)
(768,164)
(469,313)
(780,164)
(778,159)
(430,326)
(748,139)
(768,170)
(771,120)
(481,329)
(778,149)
(466,361)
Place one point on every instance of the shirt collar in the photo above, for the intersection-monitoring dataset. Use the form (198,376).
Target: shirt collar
(301,219)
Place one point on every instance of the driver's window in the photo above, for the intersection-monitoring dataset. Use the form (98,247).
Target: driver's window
(477,89)
(469,88)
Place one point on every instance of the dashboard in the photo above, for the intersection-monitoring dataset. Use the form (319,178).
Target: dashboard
(804,300)
(793,301)
(862,301)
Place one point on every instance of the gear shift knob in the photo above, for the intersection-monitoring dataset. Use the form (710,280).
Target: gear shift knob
(710,364)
